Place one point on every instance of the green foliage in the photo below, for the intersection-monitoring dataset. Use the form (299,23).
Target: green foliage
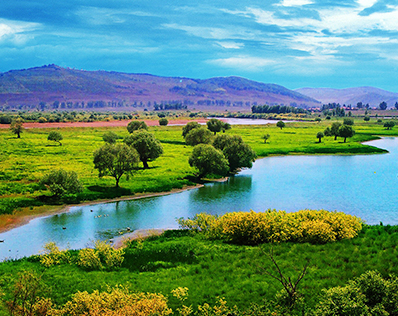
(226,126)
(346,131)
(208,160)
(115,160)
(327,131)
(215,125)
(61,182)
(334,129)
(16,127)
(280,124)
(136,125)
(368,294)
(277,226)
(54,256)
(366,118)
(320,135)
(238,153)
(318,119)
(188,127)
(266,137)
(110,137)
(55,136)
(348,121)
(103,256)
(147,146)
(389,124)
(163,122)
(198,136)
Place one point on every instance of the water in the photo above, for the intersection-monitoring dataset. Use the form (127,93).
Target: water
(363,185)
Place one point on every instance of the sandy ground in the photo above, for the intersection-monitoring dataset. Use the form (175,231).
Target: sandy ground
(101,124)
(119,242)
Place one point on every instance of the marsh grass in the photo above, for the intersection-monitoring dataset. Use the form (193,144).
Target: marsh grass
(24,161)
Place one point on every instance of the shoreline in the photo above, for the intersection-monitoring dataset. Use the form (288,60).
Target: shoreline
(16,220)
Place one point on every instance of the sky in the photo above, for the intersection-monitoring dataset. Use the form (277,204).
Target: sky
(294,43)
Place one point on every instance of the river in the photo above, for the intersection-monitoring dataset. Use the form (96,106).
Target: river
(362,185)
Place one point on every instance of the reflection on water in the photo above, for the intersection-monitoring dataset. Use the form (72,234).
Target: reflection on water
(359,185)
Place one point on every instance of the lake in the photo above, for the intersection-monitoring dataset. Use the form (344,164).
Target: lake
(363,185)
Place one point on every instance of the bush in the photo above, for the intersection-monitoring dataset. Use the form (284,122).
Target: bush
(61,182)
(198,136)
(102,257)
(208,160)
(253,228)
(163,122)
(53,256)
(136,125)
(110,137)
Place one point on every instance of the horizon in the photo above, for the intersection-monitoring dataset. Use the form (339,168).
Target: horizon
(292,43)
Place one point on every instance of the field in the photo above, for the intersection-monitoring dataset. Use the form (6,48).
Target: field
(24,161)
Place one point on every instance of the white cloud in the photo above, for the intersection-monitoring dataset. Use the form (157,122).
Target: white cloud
(294,3)
(247,63)
(15,31)
(230,45)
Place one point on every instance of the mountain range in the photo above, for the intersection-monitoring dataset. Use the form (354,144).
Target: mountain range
(54,87)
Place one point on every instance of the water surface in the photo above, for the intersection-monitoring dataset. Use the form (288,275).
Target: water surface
(363,185)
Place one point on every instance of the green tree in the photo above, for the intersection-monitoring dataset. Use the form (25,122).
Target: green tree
(17,127)
(266,137)
(115,161)
(348,121)
(320,135)
(190,126)
(335,129)
(281,124)
(147,146)
(327,131)
(208,160)
(226,126)
(238,153)
(346,131)
(136,125)
(163,121)
(396,105)
(110,137)
(198,136)
(318,119)
(215,125)
(389,124)
(61,182)
(55,136)
(383,105)
(366,118)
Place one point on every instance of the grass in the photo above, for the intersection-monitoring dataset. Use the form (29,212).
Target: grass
(24,161)
(212,268)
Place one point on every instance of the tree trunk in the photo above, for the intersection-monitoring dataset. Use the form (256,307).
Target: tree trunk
(345,138)
(145,164)
(117,182)
(335,137)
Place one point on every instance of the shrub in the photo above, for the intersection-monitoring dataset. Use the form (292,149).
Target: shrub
(163,122)
(61,182)
(53,256)
(276,226)
(198,136)
(102,257)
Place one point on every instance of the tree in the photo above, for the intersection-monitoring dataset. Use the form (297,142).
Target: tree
(55,136)
(110,137)
(17,127)
(226,126)
(366,118)
(61,182)
(318,119)
(198,136)
(136,125)
(335,129)
(190,126)
(281,124)
(115,161)
(396,105)
(215,125)
(383,105)
(320,135)
(348,121)
(266,137)
(163,121)
(208,159)
(346,131)
(238,153)
(389,124)
(327,132)
(147,146)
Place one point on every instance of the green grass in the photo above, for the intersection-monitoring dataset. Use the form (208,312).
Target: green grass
(211,268)
(24,161)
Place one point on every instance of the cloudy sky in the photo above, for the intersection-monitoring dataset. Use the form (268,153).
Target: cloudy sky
(294,43)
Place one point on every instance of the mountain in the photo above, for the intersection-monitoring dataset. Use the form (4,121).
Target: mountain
(352,96)
(54,87)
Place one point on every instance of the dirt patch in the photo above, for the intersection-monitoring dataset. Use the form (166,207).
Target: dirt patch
(119,242)
(101,123)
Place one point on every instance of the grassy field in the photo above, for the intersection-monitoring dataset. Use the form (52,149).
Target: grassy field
(24,161)
(212,268)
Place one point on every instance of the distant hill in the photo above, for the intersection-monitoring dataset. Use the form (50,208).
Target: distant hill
(352,96)
(54,87)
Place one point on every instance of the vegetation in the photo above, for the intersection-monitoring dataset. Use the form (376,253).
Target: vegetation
(110,137)
(61,182)
(16,127)
(198,136)
(281,124)
(163,121)
(320,135)
(208,160)
(188,127)
(389,124)
(55,136)
(266,137)
(146,145)
(115,161)
(136,125)
(215,125)
(346,131)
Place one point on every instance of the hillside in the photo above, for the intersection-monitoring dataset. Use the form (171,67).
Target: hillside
(55,87)
(352,96)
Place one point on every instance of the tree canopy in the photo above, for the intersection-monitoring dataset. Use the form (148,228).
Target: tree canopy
(110,137)
(334,129)
(17,127)
(389,124)
(238,153)
(208,160)
(197,136)
(346,131)
(320,135)
(115,160)
(215,125)
(56,137)
(147,146)
(61,182)
(163,121)
(136,125)
(280,124)
(190,126)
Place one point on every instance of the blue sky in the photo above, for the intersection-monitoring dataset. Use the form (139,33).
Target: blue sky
(294,43)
